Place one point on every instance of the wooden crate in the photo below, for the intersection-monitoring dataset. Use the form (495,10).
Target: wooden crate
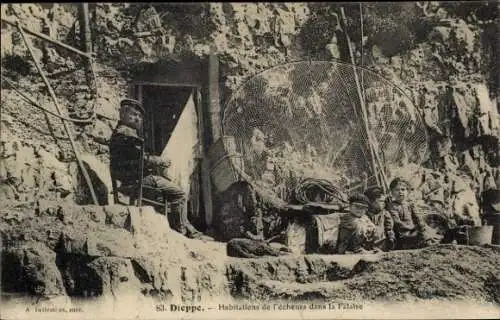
(322,233)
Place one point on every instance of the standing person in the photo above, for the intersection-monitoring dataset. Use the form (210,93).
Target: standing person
(384,238)
(356,230)
(410,228)
(125,154)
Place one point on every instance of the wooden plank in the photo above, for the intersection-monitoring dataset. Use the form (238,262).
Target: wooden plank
(85,36)
(174,74)
(139,93)
(131,90)
(47,38)
(214,98)
(206,183)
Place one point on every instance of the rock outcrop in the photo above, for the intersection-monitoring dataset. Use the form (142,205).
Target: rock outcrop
(444,66)
(100,251)
(114,252)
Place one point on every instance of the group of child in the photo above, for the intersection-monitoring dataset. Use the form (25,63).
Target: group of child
(378,223)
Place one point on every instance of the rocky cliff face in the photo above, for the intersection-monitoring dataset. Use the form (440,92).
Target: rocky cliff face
(440,55)
(445,76)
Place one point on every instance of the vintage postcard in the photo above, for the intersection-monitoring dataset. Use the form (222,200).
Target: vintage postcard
(315,160)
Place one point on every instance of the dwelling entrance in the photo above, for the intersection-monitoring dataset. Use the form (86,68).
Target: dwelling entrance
(171,130)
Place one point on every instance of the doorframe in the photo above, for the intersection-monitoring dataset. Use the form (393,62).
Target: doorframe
(136,89)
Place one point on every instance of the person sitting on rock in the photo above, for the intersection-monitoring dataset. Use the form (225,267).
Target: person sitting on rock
(384,238)
(254,244)
(356,230)
(410,228)
(125,152)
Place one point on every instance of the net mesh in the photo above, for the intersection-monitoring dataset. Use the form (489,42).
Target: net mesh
(306,120)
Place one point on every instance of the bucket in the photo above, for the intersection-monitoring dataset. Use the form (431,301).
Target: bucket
(494,221)
(477,235)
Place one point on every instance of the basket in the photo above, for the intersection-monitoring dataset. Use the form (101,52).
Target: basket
(223,146)
(225,163)
(225,172)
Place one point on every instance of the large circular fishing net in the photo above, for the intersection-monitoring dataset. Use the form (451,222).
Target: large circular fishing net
(309,121)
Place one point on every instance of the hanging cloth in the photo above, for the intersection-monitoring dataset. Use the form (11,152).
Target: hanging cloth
(182,147)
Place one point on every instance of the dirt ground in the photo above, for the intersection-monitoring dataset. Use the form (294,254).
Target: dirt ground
(440,272)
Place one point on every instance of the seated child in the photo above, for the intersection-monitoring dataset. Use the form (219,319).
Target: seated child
(381,218)
(356,230)
(409,226)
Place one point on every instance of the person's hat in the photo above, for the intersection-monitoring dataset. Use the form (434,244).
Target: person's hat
(491,197)
(359,199)
(373,193)
(132,103)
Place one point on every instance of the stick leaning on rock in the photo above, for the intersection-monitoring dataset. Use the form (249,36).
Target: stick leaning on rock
(66,127)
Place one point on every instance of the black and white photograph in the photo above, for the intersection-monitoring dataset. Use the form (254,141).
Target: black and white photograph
(253,160)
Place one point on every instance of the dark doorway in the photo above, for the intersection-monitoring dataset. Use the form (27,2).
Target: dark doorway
(163,105)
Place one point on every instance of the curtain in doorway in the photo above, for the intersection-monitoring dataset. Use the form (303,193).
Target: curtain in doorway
(182,148)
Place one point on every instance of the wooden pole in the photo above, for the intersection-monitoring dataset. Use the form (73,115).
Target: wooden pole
(360,94)
(214,99)
(47,38)
(66,127)
(212,114)
(362,51)
(85,36)
(374,156)
(143,146)
(206,182)
(83,18)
